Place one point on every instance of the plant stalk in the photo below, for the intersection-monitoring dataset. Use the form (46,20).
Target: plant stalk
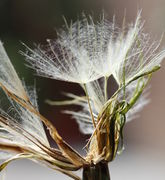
(99,171)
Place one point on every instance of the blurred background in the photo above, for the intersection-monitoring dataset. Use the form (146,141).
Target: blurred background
(33,21)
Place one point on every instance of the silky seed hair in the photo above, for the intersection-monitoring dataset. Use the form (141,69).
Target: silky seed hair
(87,53)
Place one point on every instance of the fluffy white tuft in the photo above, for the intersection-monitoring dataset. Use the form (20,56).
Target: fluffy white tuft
(132,54)
(86,51)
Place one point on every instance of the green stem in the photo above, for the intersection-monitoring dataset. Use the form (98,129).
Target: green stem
(99,171)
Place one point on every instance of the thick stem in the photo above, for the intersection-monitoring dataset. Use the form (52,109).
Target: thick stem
(99,171)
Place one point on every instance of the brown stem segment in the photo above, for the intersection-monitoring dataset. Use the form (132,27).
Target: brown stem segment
(99,171)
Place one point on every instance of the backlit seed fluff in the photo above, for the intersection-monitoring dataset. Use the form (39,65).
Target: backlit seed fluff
(72,56)
(86,51)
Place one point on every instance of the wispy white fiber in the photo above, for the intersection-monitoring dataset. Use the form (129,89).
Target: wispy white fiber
(128,52)
(83,119)
(96,93)
(142,62)
(30,121)
(25,120)
(86,51)
(71,56)
(8,76)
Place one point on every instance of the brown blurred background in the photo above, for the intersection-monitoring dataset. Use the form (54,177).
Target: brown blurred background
(33,21)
